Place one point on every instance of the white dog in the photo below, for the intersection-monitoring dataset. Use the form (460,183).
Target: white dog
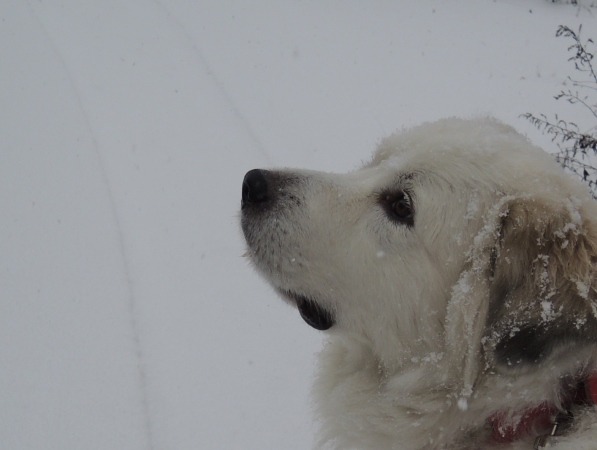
(454,275)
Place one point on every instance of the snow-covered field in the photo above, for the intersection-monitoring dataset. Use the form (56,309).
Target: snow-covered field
(128,317)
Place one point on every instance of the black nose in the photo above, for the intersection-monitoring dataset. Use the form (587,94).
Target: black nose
(254,187)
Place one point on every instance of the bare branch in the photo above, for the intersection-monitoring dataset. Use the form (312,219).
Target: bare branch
(573,144)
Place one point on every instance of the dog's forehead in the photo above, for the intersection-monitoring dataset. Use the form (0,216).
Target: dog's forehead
(386,174)
(479,153)
(394,156)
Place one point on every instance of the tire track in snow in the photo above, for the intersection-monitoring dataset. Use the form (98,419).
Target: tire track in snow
(236,111)
(131,299)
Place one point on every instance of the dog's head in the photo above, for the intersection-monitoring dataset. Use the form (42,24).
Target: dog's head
(458,239)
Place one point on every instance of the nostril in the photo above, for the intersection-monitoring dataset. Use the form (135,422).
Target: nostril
(254,187)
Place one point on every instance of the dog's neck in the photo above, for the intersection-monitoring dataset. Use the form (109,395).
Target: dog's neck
(419,403)
(546,418)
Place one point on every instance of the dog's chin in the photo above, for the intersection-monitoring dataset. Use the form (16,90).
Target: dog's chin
(311,312)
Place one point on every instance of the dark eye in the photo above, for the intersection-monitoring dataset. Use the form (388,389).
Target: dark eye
(399,207)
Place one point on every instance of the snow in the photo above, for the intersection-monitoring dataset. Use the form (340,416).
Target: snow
(583,289)
(462,404)
(547,312)
(128,317)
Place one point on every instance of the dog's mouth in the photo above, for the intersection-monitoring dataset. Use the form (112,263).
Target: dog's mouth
(311,312)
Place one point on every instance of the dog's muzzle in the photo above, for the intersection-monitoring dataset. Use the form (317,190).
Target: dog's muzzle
(263,193)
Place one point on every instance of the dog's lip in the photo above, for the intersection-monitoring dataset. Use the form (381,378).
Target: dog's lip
(312,312)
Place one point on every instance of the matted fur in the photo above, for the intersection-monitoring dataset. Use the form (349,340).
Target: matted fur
(484,305)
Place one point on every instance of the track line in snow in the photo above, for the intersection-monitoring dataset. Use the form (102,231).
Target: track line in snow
(131,300)
(234,108)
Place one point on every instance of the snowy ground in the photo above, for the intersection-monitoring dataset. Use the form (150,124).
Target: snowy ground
(128,318)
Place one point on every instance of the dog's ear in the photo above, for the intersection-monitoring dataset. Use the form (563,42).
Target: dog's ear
(542,291)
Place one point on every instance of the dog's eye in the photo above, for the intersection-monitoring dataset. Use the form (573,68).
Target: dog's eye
(399,207)
(402,208)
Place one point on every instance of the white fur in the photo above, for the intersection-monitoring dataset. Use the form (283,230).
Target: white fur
(408,364)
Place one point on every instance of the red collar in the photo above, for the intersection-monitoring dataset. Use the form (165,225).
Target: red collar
(544,418)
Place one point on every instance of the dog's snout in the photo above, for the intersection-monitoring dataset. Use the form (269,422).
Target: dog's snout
(255,187)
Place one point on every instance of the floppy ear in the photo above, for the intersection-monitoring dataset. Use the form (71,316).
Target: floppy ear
(542,295)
